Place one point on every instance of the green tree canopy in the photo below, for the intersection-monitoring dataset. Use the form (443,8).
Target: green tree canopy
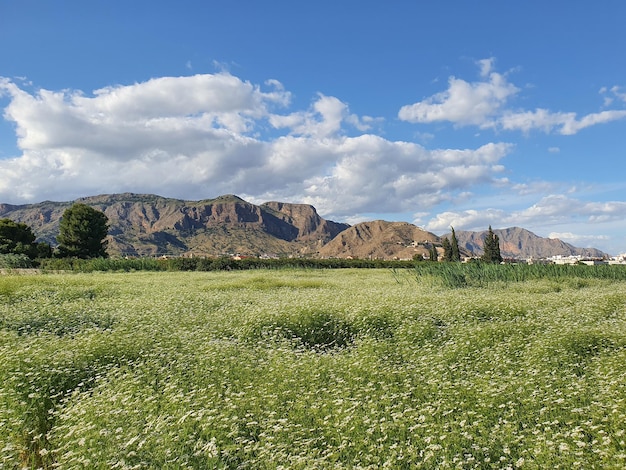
(491,248)
(82,232)
(17,238)
(451,250)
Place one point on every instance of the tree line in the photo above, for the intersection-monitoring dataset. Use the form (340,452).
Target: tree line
(491,248)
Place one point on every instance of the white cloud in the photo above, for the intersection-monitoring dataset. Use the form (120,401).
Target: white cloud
(158,107)
(486,66)
(464,103)
(613,92)
(464,220)
(325,118)
(573,126)
(369,173)
(563,123)
(560,208)
(551,210)
(483,104)
(577,238)
(194,137)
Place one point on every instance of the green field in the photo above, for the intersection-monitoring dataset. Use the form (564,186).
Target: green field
(311,369)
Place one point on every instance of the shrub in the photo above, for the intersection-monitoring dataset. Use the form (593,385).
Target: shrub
(12,261)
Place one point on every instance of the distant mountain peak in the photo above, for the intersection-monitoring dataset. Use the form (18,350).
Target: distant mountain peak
(520,243)
(380,239)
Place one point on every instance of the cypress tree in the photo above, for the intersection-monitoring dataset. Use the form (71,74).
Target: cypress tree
(447,249)
(455,254)
(433,253)
(497,257)
(491,248)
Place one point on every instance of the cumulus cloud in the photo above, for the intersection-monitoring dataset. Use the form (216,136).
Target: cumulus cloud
(204,135)
(325,118)
(484,104)
(465,220)
(464,103)
(368,173)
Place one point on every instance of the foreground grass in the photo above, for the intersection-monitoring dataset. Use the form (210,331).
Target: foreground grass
(310,369)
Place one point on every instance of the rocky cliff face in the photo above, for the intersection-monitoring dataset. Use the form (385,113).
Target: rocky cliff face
(43,217)
(306,220)
(151,225)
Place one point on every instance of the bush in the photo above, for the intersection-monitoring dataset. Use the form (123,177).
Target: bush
(317,329)
(12,261)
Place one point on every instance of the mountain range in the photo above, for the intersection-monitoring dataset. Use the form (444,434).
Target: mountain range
(150,225)
(519,243)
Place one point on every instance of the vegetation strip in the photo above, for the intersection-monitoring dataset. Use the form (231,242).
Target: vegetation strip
(466,366)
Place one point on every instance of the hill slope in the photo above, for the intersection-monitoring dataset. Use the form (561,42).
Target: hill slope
(381,239)
(516,242)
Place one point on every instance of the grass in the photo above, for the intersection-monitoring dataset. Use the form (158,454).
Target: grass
(270,369)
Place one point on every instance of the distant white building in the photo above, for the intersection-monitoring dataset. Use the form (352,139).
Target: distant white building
(560,259)
(619,259)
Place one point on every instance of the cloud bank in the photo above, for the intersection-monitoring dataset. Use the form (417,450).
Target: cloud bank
(484,104)
(205,135)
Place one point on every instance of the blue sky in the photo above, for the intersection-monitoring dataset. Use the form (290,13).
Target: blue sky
(451,113)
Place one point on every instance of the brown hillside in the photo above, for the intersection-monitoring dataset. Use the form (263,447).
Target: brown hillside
(381,240)
(519,243)
(146,225)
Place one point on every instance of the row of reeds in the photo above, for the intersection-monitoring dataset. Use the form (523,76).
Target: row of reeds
(482,274)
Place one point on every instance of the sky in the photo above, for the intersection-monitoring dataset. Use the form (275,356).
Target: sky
(443,114)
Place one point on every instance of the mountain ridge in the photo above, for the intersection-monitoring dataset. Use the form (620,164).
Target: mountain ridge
(152,225)
(518,242)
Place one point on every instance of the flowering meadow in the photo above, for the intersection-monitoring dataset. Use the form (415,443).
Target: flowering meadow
(310,369)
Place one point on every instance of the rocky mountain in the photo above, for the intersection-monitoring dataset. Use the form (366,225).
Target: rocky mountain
(516,242)
(148,225)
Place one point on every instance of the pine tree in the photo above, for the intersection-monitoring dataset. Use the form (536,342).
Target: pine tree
(82,232)
(17,238)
